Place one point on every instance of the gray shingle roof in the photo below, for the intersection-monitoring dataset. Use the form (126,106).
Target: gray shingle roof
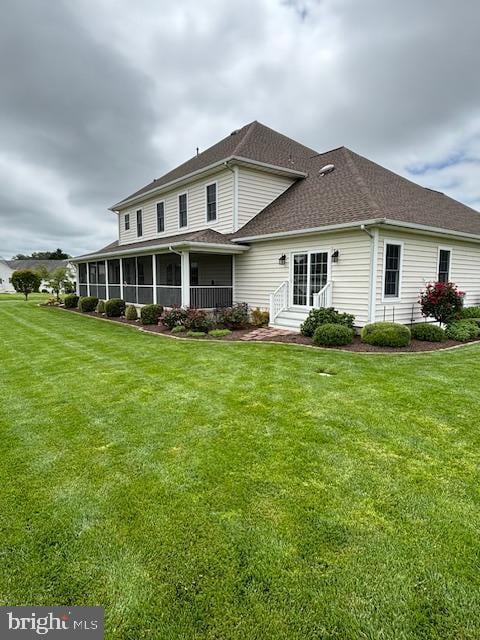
(254,141)
(357,190)
(208,236)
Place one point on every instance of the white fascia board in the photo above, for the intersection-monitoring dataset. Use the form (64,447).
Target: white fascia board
(302,232)
(426,230)
(209,247)
(205,170)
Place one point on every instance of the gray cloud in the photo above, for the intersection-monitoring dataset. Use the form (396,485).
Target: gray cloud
(100,97)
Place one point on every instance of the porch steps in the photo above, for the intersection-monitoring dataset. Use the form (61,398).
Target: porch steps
(290,318)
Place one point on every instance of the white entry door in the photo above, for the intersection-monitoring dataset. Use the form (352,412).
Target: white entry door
(309,276)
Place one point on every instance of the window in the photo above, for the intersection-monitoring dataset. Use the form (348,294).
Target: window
(139,223)
(211,202)
(160,217)
(444,265)
(182,210)
(391,286)
(127,221)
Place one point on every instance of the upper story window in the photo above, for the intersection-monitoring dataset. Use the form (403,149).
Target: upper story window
(127,221)
(391,279)
(444,265)
(160,217)
(182,210)
(211,202)
(139,223)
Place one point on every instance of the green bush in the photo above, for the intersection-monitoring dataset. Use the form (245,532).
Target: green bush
(131,312)
(329,315)
(470,312)
(174,317)
(178,328)
(196,334)
(100,306)
(87,303)
(71,301)
(462,330)
(219,333)
(260,318)
(235,317)
(114,308)
(386,334)
(332,335)
(427,332)
(150,313)
(197,320)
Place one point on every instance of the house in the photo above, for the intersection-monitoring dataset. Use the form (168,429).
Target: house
(7,267)
(262,219)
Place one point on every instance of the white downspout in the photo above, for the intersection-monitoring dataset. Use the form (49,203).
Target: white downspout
(372,301)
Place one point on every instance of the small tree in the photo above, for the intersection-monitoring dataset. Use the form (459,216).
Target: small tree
(25,281)
(58,279)
(442,301)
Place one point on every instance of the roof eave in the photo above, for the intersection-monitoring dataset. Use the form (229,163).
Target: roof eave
(286,171)
(211,247)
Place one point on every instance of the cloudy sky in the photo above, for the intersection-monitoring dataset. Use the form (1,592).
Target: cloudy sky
(97,97)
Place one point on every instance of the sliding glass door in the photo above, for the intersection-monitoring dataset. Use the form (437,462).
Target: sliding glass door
(309,276)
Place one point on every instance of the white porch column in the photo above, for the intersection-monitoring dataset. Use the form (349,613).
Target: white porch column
(106,280)
(185,266)
(77,278)
(88,278)
(121,278)
(154,273)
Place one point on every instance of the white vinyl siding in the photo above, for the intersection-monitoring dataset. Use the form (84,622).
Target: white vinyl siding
(258,273)
(420,266)
(257,189)
(196,210)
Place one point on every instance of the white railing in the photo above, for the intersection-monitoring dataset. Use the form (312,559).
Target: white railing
(278,300)
(323,298)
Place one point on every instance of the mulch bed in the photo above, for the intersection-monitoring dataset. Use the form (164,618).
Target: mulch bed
(415,346)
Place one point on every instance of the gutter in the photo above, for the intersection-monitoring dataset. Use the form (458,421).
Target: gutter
(221,248)
(301,232)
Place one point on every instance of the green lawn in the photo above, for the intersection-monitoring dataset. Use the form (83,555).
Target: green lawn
(226,491)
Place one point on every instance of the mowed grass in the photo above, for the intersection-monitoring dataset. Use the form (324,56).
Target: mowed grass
(229,491)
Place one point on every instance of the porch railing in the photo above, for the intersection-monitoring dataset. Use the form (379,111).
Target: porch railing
(323,298)
(278,300)
(210,297)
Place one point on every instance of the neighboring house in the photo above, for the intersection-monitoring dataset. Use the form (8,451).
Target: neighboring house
(7,267)
(259,218)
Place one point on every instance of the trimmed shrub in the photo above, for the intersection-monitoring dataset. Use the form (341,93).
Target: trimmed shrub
(150,313)
(386,334)
(219,333)
(100,306)
(174,317)
(196,334)
(260,318)
(178,328)
(71,301)
(442,301)
(87,303)
(427,332)
(197,320)
(115,307)
(470,312)
(332,335)
(462,330)
(329,315)
(131,312)
(235,317)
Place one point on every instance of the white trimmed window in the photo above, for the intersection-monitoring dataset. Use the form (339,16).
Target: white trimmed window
(139,223)
(160,217)
(392,265)
(127,221)
(182,210)
(444,256)
(211,202)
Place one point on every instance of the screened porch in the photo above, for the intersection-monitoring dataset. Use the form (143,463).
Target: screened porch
(198,280)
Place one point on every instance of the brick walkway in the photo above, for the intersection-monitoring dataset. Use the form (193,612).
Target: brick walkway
(265,333)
